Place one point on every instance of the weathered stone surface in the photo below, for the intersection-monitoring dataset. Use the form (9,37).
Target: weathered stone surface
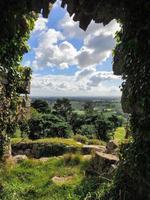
(27,152)
(105,157)
(87,149)
(111,147)
(85,11)
(103,164)
(38,150)
(44,159)
(61,180)
(20,158)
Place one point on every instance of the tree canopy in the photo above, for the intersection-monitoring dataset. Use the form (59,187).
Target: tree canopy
(41,105)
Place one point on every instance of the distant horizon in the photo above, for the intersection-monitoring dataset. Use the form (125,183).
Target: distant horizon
(75,96)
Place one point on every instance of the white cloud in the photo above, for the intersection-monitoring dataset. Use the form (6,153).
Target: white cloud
(99,77)
(54,50)
(98,40)
(71,29)
(40,24)
(63,65)
(63,85)
(96,49)
(84,73)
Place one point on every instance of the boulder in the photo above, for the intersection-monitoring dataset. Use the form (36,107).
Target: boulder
(27,152)
(112,147)
(20,158)
(103,164)
(87,149)
(61,180)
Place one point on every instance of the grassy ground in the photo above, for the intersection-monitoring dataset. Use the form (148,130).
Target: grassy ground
(119,135)
(32,179)
(69,142)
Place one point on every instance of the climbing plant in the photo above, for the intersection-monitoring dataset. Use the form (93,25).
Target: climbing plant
(16,22)
(131,61)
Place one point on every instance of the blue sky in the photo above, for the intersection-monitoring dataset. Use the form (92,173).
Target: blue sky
(66,61)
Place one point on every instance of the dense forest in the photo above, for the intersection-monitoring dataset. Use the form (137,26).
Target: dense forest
(61,120)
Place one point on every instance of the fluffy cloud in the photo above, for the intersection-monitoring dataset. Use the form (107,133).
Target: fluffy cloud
(99,77)
(40,24)
(54,50)
(71,29)
(84,73)
(68,45)
(98,40)
(63,85)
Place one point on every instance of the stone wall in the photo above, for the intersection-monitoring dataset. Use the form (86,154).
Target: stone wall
(38,150)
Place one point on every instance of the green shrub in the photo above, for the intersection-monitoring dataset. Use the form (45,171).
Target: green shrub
(48,125)
(72,159)
(81,138)
(88,130)
(94,142)
(62,107)
(41,106)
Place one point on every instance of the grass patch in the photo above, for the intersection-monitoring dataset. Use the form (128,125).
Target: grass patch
(96,142)
(81,138)
(69,142)
(72,159)
(32,179)
(119,135)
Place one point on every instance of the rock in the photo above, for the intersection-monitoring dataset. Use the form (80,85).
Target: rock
(111,147)
(27,152)
(109,158)
(44,159)
(20,158)
(20,152)
(61,180)
(87,149)
(103,164)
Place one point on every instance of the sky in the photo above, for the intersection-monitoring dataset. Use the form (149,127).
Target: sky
(67,61)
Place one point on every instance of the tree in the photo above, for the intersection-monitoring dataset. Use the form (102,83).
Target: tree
(55,126)
(90,118)
(36,128)
(103,127)
(41,105)
(88,130)
(48,125)
(63,108)
(88,107)
(76,121)
(116,121)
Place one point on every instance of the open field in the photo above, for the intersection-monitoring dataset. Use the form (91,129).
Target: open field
(55,179)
